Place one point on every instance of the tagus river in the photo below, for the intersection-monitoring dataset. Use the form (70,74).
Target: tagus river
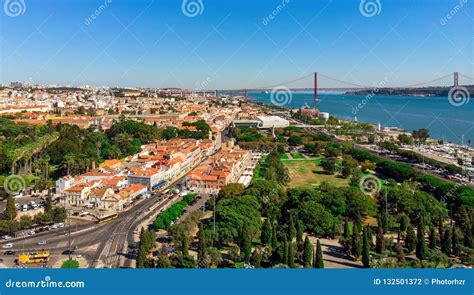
(444,120)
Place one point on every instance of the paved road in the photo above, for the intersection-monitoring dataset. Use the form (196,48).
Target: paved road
(101,244)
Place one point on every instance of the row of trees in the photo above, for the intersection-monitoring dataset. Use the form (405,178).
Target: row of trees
(146,245)
(453,194)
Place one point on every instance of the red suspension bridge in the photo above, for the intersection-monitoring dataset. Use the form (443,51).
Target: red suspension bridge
(349,86)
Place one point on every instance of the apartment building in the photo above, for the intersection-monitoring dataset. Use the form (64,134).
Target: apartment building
(218,170)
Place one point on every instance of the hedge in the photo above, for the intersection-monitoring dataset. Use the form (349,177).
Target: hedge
(165,219)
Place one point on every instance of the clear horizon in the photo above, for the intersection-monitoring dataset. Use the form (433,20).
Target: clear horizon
(235,44)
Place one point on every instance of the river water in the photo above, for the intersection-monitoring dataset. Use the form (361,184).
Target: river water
(443,119)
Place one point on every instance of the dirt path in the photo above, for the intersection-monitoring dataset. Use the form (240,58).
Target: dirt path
(333,254)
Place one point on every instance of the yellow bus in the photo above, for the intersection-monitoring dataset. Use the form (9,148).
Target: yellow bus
(33,257)
(107,217)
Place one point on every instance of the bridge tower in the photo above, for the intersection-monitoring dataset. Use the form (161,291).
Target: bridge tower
(456,79)
(245,93)
(316,87)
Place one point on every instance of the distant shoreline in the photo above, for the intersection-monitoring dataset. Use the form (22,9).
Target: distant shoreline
(432,130)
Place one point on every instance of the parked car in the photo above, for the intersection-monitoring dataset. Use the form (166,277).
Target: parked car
(7,246)
(9,252)
(6,237)
(42,243)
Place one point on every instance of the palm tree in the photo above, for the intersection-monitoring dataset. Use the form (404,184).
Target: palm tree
(69,161)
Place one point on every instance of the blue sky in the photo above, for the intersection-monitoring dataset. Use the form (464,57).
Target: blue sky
(232,44)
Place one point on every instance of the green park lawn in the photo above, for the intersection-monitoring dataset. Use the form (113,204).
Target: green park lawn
(284,156)
(70,264)
(304,173)
(297,156)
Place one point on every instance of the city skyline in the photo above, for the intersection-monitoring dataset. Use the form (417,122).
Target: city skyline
(167,44)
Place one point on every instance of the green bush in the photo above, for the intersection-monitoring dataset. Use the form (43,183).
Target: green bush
(189,198)
(165,219)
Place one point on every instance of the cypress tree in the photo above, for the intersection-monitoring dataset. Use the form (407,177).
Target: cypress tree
(346,235)
(385,222)
(49,204)
(379,222)
(440,232)
(369,237)
(10,210)
(447,245)
(291,254)
(285,250)
(202,244)
(246,243)
(380,241)
(185,245)
(410,239)
(357,223)
(291,229)
(142,251)
(307,253)
(299,232)
(465,224)
(266,235)
(318,260)
(403,222)
(335,230)
(356,242)
(468,239)
(141,258)
(456,245)
(433,239)
(421,250)
(365,248)
(274,240)
(400,253)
